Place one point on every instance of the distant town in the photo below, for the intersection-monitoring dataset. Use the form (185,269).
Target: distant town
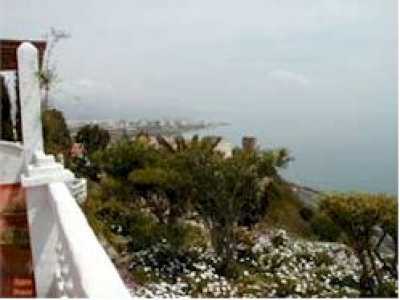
(117,128)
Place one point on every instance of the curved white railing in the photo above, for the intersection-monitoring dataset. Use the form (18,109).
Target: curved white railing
(67,259)
(83,268)
(78,189)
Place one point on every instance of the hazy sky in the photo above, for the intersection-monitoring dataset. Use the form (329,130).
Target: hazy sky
(317,76)
(216,57)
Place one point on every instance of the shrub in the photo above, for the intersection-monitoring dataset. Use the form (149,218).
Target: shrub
(306,213)
(325,228)
(56,134)
(144,230)
(295,268)
(124,157)
(359,215)
(93,137)
(183,236)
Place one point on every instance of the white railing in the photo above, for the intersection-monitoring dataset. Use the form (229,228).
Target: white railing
(67,259)
(83,268)
(78,189)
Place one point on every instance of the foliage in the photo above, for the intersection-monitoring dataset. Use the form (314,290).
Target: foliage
(93,137)
(84,168)
(359,216)
(166,190)
(306,213)
(171,203)
(272,265)
(226,191)
(120,159)
(56,135)
(325,229)
(180,144)
(187,177)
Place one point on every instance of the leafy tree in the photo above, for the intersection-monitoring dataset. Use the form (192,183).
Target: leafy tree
(226,190)
(113,166)
(84,168)
(167,185)
(93,138)
(359,216)
(57,138)
(119,160)
(165,190)
(180,144)
(190,176)
(325,228)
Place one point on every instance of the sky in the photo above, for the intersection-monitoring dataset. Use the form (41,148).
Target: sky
(209,57)
(290,71)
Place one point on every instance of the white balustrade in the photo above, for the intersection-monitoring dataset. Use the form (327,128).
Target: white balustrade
(83,267)
(68,260)
(78,189)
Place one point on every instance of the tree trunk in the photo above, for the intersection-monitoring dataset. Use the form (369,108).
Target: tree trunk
(365,289)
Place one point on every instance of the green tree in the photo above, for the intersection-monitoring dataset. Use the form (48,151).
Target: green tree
(180,144)
(165,190)
(167,185)
(225,191)
(359,216)
(93,137)
(57,138)
(189,176)
(120,159)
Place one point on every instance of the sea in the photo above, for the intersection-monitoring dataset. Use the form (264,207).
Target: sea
(336,146)
(338,158)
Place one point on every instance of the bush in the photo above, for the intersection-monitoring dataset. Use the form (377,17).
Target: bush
(325,228)
(144,230)
(194,236)
(359,215)
(56,134)
(93,137)
(124,157)
(306,213)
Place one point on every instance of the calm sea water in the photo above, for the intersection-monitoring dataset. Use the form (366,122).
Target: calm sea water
(329,156)
(340,145)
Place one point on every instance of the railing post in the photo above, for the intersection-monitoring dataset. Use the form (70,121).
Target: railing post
(43,228)
(53,214)
(40,170)
(29,91)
